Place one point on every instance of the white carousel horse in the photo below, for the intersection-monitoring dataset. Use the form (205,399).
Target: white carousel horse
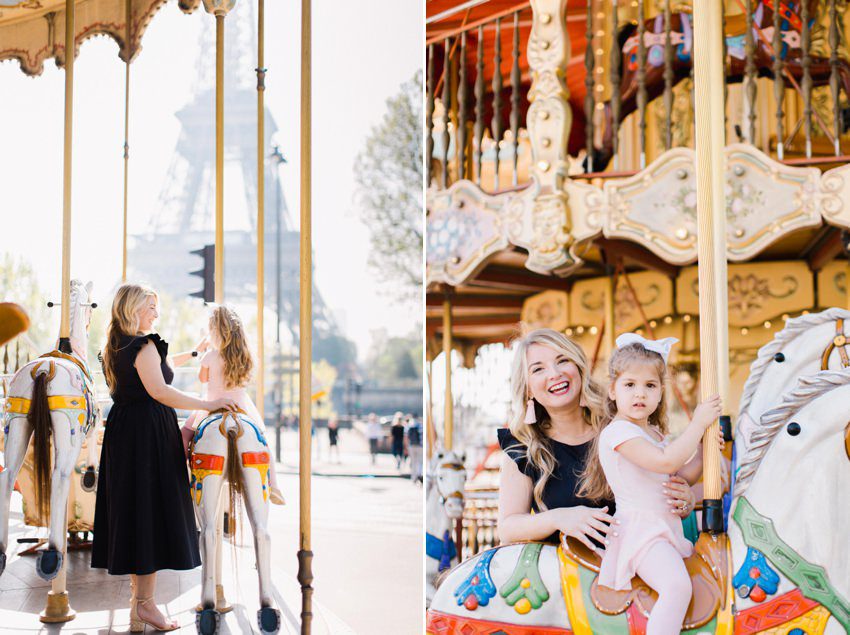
(807,344)
(443,506)
(52,396)
(788,527)
(231,447)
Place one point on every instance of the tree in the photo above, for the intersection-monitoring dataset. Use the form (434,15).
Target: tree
(395,360)
(388,173)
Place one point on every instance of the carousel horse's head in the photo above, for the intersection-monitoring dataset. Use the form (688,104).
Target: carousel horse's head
(80,313)
(807,344)
(449,477)
(790,491)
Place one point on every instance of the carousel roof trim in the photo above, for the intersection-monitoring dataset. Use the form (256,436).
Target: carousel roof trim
(34,34)
(767,201)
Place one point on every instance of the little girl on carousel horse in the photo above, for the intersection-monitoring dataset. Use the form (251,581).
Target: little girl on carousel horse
(630,462)
(225,371)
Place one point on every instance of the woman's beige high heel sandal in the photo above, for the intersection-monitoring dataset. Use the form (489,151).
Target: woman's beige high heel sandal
(276,497)
(137,624)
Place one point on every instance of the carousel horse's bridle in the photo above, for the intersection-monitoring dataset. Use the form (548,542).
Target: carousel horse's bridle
(840,342)
(457,493)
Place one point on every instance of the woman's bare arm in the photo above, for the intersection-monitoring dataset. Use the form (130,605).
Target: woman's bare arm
(515,495)
(148,365)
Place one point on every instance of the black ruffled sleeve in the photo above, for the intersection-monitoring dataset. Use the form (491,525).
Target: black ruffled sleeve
(138,342)
(514,449)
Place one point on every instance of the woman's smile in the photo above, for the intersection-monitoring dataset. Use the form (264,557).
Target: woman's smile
(561,388)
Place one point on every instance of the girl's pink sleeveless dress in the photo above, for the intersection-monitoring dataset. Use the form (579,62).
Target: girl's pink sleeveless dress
(216,389)
(642,508)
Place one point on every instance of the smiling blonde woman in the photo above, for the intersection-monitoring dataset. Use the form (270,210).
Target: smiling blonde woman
(557,409)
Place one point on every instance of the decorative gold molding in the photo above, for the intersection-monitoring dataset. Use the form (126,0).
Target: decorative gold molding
(464,228)
(766,200)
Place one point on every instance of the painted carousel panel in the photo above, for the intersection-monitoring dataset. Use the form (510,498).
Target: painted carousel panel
(765,200)
(832,284)
(654,291)
(758,292)
(465,227)
(657,207)
(549,309)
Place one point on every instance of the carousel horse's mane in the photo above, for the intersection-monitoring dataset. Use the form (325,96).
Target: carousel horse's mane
(793,328)
(772,421)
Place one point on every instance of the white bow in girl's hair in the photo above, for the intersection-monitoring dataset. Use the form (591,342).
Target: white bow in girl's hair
(662,346)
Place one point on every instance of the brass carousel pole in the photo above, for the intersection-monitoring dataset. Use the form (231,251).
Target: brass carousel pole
(58,608)
(711,214)
(220,12)
(448,423)
(305,555)
(70,46)
(128,13)
(261,210)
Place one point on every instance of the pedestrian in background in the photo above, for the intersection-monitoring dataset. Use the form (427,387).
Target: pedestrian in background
(373,433)
(414,445)
(397,432)
(333,438)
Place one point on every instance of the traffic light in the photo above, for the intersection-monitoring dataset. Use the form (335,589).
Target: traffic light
(207,252)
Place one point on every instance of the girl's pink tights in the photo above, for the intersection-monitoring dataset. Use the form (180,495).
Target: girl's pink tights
(663,569)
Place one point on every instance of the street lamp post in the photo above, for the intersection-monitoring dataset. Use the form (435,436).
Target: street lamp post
(278,158)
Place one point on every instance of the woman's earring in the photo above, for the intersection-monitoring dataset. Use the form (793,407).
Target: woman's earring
(530,415)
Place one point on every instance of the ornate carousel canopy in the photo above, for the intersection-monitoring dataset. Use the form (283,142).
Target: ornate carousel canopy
(32,31)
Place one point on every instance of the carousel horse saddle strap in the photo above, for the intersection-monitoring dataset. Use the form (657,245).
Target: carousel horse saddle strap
(839,342)
(20,405)
(703,606)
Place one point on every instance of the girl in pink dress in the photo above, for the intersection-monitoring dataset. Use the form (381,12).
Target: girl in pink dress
(632,460)
(226,369)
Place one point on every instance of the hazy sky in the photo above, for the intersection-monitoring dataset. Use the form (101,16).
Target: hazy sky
(362,52)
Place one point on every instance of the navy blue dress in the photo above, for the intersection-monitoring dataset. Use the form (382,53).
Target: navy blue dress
(144,520)
(561,488)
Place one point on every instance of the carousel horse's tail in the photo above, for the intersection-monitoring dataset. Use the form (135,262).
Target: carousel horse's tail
(39,419)
(235,478)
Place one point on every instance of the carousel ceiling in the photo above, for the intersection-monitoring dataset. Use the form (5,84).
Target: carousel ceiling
(32,31)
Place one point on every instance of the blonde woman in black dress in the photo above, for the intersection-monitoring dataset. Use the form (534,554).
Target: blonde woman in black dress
(144,520)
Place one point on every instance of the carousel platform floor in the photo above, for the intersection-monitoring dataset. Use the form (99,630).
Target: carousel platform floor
(101,600)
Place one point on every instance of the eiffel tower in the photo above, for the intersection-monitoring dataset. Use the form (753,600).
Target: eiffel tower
(185,217)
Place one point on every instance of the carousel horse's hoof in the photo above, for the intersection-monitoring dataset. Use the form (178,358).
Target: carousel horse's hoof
(2,563)
(268,619)
(48,564)
(207,622)
(89,479)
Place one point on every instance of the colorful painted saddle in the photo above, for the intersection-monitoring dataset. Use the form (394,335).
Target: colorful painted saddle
(708,596)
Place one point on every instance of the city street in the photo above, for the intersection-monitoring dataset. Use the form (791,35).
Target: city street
(367,537)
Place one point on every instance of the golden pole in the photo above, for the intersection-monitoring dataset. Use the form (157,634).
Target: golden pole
(431,431)
(70,46)
(305,555)
(128,16)
(448,423)
(610,327)
(711,215)
(261,211)
(219,157)
(58,607)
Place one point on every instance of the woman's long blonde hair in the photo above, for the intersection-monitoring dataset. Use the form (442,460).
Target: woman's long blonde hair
(593,484)
(537,447)
(234,351)
(129,301)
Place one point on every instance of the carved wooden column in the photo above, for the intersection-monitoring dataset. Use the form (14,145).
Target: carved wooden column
(549,120)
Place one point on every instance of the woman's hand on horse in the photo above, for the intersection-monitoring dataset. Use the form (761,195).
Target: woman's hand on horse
(680,496)
(584,523)
(223,403)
